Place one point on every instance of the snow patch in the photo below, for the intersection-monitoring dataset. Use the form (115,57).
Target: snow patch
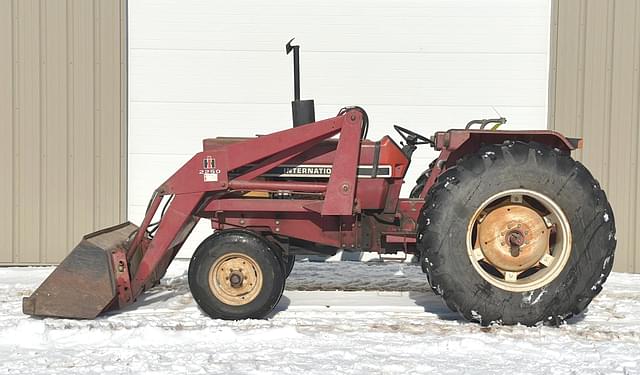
(439,289)
(542,292)
(527,297)
(605,217)
(476,316)
(27,333)
(599,282)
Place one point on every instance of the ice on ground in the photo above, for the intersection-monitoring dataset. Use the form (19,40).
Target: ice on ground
(359,318)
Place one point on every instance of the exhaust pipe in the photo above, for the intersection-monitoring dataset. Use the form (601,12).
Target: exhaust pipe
(303,111)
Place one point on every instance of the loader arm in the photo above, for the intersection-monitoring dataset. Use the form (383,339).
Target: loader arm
(113,267)
(190,185)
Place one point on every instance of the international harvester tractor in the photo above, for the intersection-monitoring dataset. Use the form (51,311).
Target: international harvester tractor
(506,225)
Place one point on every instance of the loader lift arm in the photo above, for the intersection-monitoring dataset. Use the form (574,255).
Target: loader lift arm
(192,192)
(123,268)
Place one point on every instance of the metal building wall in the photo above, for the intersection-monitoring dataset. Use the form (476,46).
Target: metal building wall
(595,94)
(62,117)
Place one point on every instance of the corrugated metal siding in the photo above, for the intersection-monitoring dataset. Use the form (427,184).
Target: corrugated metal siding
(62,69)
(594,93)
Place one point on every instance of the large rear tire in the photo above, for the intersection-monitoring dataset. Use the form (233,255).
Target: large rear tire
(235,274)
(517,233)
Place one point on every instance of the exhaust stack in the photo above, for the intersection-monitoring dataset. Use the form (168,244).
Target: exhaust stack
(303,111)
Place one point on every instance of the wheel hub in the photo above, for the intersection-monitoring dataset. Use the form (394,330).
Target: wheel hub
(236,279)
(513,237)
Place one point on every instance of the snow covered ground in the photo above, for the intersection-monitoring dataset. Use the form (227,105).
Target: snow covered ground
(382,321)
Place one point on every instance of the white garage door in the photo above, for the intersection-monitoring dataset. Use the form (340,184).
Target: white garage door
(201,69)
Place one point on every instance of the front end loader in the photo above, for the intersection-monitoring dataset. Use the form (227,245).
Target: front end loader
(507,226)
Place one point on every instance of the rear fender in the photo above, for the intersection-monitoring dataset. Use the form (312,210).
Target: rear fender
(470,140)
(454,144)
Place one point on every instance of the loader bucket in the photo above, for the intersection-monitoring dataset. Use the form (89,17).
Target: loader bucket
(83,285)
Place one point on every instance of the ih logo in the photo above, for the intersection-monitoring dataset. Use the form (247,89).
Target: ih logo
(209,172)
(208,163)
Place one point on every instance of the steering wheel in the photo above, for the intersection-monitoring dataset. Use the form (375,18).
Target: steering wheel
(411,137)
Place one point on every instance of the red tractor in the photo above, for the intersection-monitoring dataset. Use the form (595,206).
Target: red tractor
(507,226)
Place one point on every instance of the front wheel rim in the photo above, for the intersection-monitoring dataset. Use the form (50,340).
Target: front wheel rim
(519,240)
(235,279)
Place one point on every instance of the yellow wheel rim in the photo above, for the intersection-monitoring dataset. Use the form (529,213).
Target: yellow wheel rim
(235,279)
(519,240)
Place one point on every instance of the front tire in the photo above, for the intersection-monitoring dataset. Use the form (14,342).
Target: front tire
(235,274)
(517,233)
